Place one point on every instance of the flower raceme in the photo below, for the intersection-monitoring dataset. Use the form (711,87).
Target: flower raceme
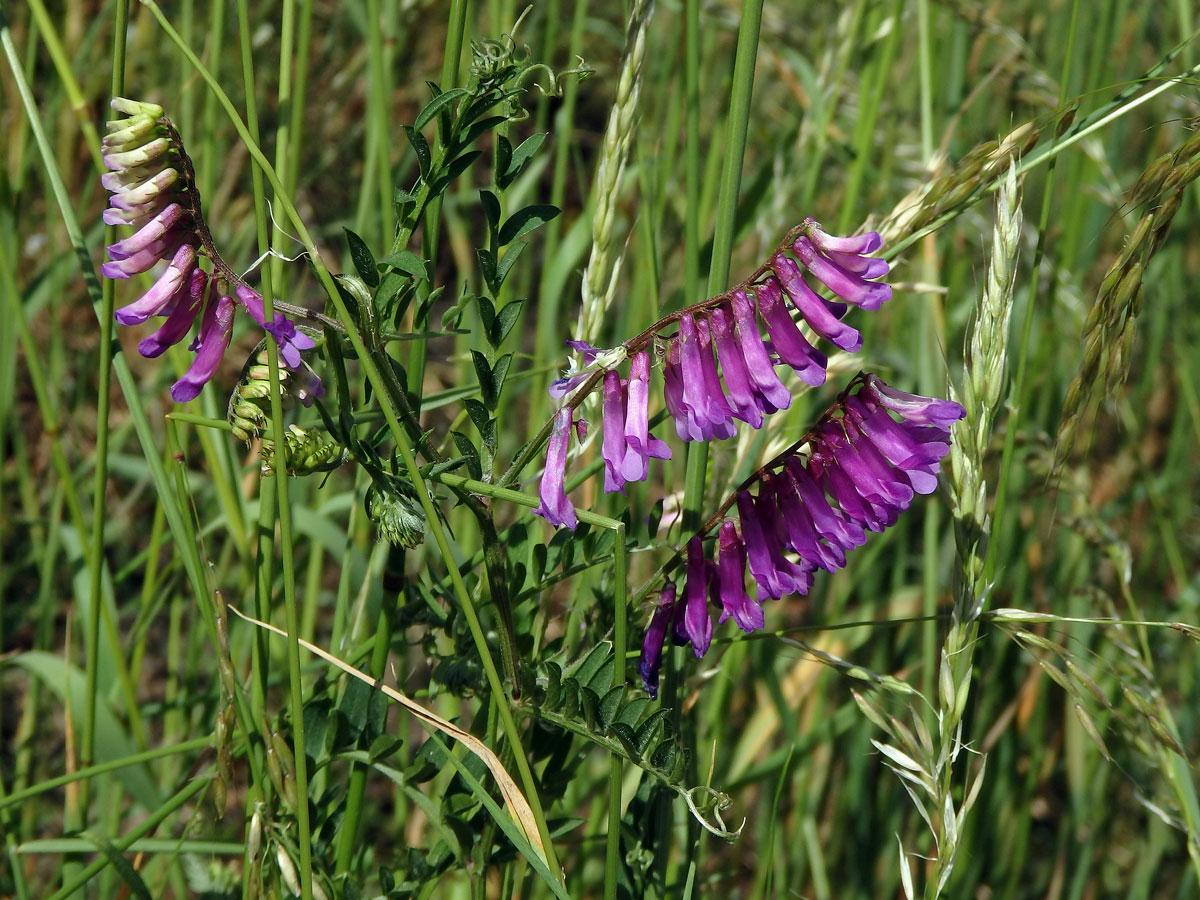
(150,179)
(862,469)
(723,338)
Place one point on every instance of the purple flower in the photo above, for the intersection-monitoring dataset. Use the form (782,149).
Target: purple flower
(912,407)
(829,521)
(770,391)
(188,302)
(685,425)
(656,636)
(703,400)
(555,507)
(794,578)
(731,581)
(216,328)
(839,275)
(565,385)
(806,361)
(639,445)
(694,625)
(612,449)
(150,194)
(842,265)
(744,397)
(861,473)
(289,340)
(801,532)
(586,350)
(171,284)
(821,315)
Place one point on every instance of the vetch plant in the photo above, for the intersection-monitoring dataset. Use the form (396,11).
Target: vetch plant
(576,585)
(719,338)
(154,190)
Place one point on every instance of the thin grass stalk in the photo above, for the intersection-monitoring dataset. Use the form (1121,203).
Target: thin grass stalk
(260,657)
(740,92)
(62,66)
(272,275)
(95,560)
(869,106)
(393,587)
(377,130)
(1019,403)
(691,152)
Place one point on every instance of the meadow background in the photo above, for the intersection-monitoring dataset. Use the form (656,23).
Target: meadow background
(128,769)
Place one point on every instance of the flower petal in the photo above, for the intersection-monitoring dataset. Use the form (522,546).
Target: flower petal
(216,329)
(555,506)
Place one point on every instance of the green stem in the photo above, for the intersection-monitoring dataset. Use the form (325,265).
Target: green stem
(95,560)
(740,94)
(112,765)
(271,276)
(124,843)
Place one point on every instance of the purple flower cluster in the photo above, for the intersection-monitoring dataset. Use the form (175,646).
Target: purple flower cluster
(723,340)
(862,470)
(150,193)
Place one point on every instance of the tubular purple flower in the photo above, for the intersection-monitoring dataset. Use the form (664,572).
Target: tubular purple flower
(830,477)
(712,382)
(685,422)
(731,579)
(775,530)
(586,350)
(612,449)
(817,312)
(882,488)
(770,580)
(710,413)
(555,507)
(867,267)
(850,286)
(656,636)
(770,391)
(148,235)
(891,439)
(639,445)
(858,245)
(913,478)
(290,340)
(695,626)
(163,292)
(913,407)
(176,326)
(800,530)
(742,397)
(829,521)
(216,328)
(806,361)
